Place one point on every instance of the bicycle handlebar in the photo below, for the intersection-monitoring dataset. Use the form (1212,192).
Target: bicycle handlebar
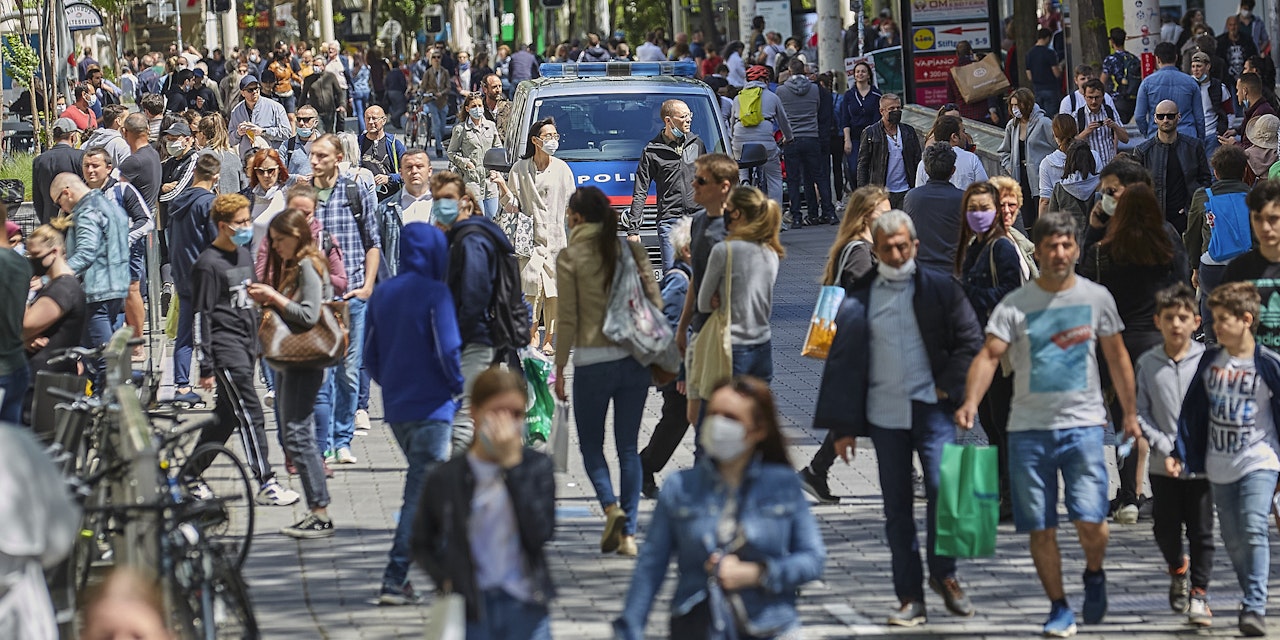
(80,353)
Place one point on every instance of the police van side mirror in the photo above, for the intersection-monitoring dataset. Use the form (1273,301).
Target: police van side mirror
(496,160)
(753,155)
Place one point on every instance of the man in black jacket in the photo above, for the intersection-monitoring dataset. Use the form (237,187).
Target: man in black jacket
(904,341)
(1177,164)
(889,152)
(667,160)
(935,209)
(62,157)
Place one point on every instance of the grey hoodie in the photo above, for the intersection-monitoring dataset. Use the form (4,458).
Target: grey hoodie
(111,140)
(1162,384)
(799,99)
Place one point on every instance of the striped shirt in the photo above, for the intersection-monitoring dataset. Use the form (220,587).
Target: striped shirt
(1103,139)
(900,370)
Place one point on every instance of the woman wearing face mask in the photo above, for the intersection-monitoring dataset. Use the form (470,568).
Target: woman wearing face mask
(1028,138)
(540,186)
(604,371)
(472,137)
(749,273)
(212,138)
(1140,254)
(296,283)
(55,319)
(268,180)
(482,527)
(1010,205)
(738,526)
(990,265)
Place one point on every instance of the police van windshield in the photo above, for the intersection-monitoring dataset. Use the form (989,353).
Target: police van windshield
(618,126)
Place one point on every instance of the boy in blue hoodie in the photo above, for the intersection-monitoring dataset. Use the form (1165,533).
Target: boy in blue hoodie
(413,350)
(1227,432)
(1164,374)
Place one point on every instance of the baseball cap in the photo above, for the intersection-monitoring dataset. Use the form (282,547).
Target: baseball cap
(246,81)
(1201,57)
(198,72)
(177,129)
(65,125)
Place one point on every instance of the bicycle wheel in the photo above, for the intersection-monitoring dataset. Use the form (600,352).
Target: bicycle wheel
(214,472)
(215,599)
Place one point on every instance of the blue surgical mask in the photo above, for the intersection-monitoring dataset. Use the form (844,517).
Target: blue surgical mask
(445,211)
(476,112)
(677,133)
(243,236)
(305,132)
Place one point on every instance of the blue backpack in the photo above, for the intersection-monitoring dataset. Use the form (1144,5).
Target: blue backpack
(1231,234)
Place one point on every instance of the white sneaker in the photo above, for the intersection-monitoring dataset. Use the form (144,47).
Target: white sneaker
(269,400)
(362,422)
(345,456)
(272,494)
(1128,514)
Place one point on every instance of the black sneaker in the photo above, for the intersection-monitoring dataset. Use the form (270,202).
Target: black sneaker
(1252,625)
(816,486)
(310,527)
(650,487)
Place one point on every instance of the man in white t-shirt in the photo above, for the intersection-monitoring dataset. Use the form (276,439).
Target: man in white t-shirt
(1049,329)
(969,167)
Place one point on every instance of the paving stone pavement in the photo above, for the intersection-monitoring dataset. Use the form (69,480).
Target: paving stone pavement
(326,588)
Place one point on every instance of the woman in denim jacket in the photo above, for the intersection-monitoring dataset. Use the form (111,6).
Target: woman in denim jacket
(738,525)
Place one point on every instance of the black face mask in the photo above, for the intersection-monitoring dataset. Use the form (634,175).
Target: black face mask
(895,117)
(38,267)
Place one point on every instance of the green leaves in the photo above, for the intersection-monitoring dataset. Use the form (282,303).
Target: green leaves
(22,59)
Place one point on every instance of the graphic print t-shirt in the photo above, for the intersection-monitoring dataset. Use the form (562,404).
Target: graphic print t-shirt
(1251,266)
(1242,431)
(226,321)
(1052,343)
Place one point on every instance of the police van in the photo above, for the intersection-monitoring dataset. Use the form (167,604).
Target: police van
(606,112)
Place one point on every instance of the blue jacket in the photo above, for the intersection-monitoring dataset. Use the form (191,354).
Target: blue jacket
(98,247)
(951,337)
(1193,423)
(674,287)
(191,231)
(1169,83)
(411,343)
(780,531)
(473,268)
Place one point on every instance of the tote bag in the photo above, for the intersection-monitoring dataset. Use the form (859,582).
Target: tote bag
(633,322)
(968,509)
(713,350)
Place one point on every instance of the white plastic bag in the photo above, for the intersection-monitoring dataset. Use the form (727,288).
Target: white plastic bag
(447,618)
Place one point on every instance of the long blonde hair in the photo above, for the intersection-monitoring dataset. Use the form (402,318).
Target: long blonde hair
(49,236)
(761,218)
(857,218)
(215,132)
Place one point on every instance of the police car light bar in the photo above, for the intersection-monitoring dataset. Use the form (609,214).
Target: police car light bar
(686,68)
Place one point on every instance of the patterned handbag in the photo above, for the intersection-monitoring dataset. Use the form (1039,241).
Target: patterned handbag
(321,346)
(519,229)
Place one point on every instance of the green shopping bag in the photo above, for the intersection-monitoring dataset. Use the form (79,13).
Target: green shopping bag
(542,405)
(968,508)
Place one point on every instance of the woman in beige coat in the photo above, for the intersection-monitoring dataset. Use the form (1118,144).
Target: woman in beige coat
(604,372)
(472,137)
(539,187)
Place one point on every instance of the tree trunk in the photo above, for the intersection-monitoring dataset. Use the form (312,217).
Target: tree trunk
(1089,31)
(1025,26)
(707,11)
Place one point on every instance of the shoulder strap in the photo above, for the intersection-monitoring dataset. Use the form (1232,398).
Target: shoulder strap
(1080,118)
(727,302)
(357,209)
(1111,113)
(844,258)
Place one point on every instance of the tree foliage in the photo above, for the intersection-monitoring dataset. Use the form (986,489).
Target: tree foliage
(638,17)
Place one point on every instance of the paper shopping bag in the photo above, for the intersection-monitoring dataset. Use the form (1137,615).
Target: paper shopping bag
(980,80)
(968,509)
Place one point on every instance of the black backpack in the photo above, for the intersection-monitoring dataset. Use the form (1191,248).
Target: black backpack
(1132,73)
(1082,117)
(510,316)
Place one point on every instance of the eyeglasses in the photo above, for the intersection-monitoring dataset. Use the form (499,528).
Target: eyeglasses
(308,120)
(550,136)
(1166,116)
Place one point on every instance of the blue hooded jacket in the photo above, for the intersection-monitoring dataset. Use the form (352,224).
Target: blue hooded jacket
(191,231)
(411,345)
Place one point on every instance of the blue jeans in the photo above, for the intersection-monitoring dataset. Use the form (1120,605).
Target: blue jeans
(754,360)
(1210,276)
(1211,143)
(804,170)
(362,401)
(506,618)
(626,383)
(437,123)
(341,389)
(931,428)
(103,319)
(182,346)
(358,103)
(425,444)
(1243,507)
(664,241)
(1036,458)
(14,385)
(490,207)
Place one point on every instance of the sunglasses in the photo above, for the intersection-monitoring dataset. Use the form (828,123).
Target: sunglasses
(267,169)
(1166,116)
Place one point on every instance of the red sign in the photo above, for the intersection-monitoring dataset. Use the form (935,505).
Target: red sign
(932,95)
(933,68)
(1148,64)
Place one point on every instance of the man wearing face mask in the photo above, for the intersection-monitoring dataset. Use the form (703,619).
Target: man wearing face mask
(190,231)
(178,167)
(1251,24)
(1177,163)
(80,112)
(896,372)
(297,152)
(1214,97)
(668,160)
(888,151)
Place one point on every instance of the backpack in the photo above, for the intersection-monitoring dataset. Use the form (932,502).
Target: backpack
(510,316)
(357,212)
(1230,223)
(750,108)
(1132,73)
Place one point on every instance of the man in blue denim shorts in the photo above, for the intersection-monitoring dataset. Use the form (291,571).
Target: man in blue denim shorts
(1049,329)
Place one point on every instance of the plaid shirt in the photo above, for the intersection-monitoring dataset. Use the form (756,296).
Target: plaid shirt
(337,217)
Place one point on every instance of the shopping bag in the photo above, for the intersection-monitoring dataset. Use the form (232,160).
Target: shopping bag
(447,618)
(171,320)
(980,80)
(822,326)
(713,347)
(968,509)
(541,408)
(560,438)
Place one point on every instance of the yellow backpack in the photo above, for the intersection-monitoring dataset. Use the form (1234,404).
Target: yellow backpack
(750,111)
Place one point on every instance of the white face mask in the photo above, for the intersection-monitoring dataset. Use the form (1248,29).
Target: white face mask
(897,273)
(1017,113)
(551,146)
(1109,204)
(723,438)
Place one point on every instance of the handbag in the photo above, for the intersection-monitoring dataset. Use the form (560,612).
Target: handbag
(447,618)
(980,79)
(713,349)
(320,347)
(968,508)
(519,229)
(822,324)
(633,322)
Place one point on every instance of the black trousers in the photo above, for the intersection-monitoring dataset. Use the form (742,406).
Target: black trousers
(671,428)
(993,411)
(237,406)
(1178,502)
